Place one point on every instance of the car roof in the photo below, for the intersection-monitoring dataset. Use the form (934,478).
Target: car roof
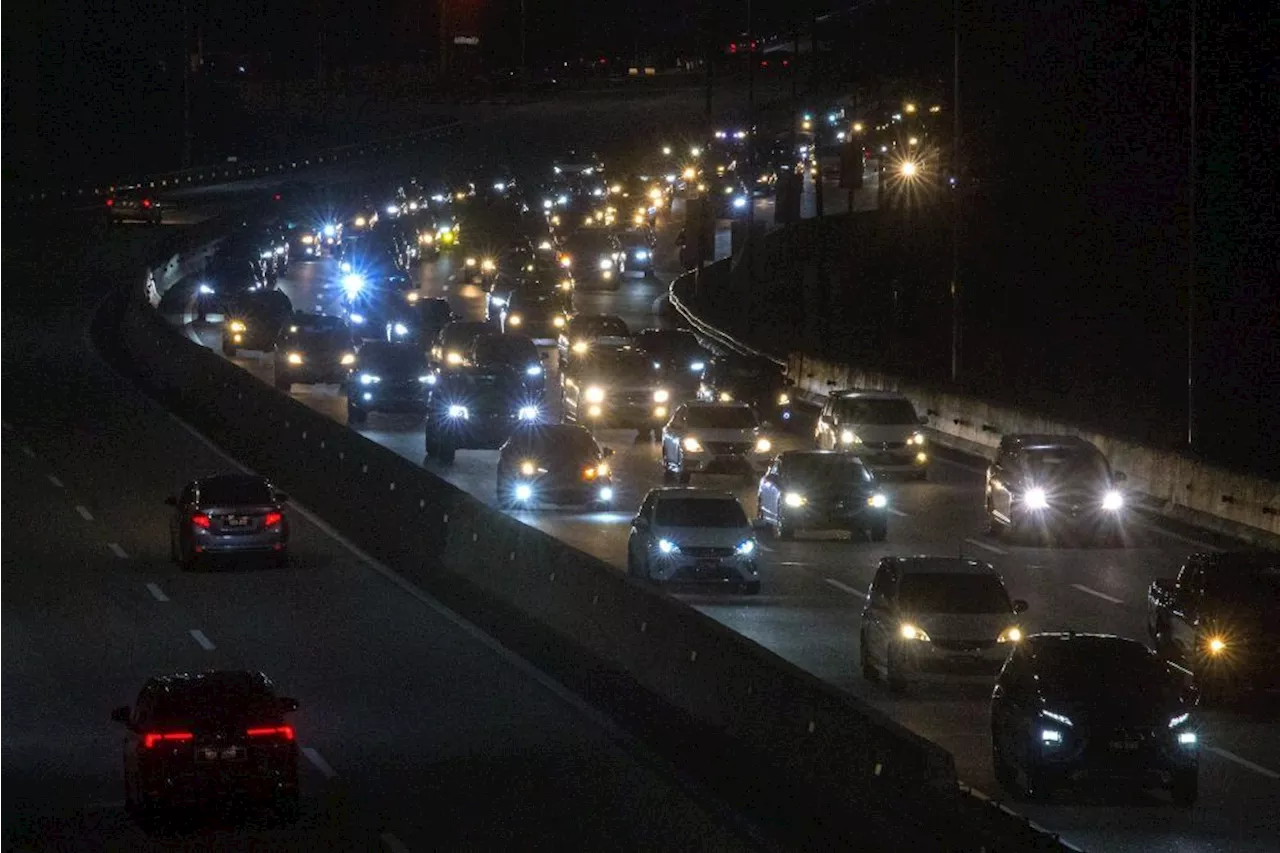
(931,565)
(864,394)
(810,454)
(687,492)
(1102,643)
(700,405)
(231,479)
(1044,441)
(595,318)
(1245,561)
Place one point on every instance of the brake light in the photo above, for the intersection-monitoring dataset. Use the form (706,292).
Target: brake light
(150,739)
(201,520)
(146,202)
(282,732)
(111,202)
(273,518)
(276,197)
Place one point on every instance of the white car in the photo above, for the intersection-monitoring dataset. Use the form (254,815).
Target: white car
(881,427)
(929,617)
(714,438)
(693,536)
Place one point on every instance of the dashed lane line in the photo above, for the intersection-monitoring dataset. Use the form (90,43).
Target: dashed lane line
(320,764)
(118,551)
(1244,762)
(395,845)
(84,512)
(1090,591)
(203,641)
(156,592)
(994,549)
(843,587)
(899,513)
(56,482)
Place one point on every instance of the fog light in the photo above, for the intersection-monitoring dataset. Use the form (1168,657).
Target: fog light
(659,411)
(594,412)
(606,495)
(1187,738)
(921,458)
(237,339)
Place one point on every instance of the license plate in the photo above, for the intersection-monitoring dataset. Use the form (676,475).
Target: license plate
(220,753)
(237,521)
(1124,745)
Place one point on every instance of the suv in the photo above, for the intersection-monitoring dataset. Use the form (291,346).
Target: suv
(881,427)
(714,438)
(313,349)
(821,489)
(390,378)
(692,535)
(930,616)
(1039,483)
(755,380)
(614,386)
(475,408)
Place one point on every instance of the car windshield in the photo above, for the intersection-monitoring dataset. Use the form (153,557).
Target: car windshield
(1068,463)
(699,512)
(505,348)
(392,358)
(1106,669)
(947,592)
(673,342)
(312,325)
(233,491)
(557,443)
(586,242)
(600,327)
(463,335)
(722,417)
(534,306)
(877,412)
(213,701)
(827,468)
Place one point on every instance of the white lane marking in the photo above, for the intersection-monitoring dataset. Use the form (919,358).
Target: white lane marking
(1244,762)
(984,546)
(56,482)
(789,563)
(104,806)
(84,513)
(899,513)
(27,450)
(395,845)
(1190,540)
(318,760)
(1089,591)
(204,642)
(953,463)
(156,592)
(764,547)
(118,551)
(845,587)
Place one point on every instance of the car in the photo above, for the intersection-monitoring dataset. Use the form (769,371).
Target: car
(730,196)
(197,739)
(595,257)
(228,515)
(556,464)
(614,386)
(582,331)
(637,245)
(537,314)
(372,304)
(1040,484)
(374,253)
(821,490)
(254,320)
(714,438)
(758,381)
(313,349)
(929,617)
(475,408)
(133,204)
(305,244)
(420,319)
(1220,618)
(1093,708)
(697,536)
(390,378)
(881,427)
(517,352)
(455,340)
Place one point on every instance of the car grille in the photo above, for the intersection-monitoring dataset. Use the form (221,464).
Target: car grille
(633,398)
(885,445)
(704,552)
(736,448)
(964,645)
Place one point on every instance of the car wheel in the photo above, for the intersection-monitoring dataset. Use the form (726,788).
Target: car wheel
(1005,776)
(684,477)
(230,350)
(1185,788)
(894,677)
(878,532)
(751,588)
(356,415)
(869,671)
(782,531)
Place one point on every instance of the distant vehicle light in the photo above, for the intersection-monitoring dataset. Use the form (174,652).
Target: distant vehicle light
(294,358)
(456,411)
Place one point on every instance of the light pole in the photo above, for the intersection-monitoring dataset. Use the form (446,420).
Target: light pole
(186,84)
(1193,423)
(524,28)
(955,198)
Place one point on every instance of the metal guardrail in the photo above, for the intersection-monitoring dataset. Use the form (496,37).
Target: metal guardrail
(702,327)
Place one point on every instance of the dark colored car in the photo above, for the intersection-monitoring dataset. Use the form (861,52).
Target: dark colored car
(200,739)
(254,321)
(678,356)
(455,340)
(313,349)
(583,331)
(596,258)
(228,515)
(1040,484)
(374,304)
(614,386)
(753,380)
(516,352)
(422,318)
(556,464)
(390,378)
(133,204)
(821,490)
(1093,708)
(637,245)
(538,314)
(475,408)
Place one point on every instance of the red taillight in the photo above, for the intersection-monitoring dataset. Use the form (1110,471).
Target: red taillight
(150,739)
(273,518)
(282,732)
(146,202)
(111,202)
(199,519)
(276,196)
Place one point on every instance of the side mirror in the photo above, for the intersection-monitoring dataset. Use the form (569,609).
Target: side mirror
(607,452)
(1120,477)
(282,497)
(171,500)
(121,714)
(287,704)
(1020,606)
(640,523)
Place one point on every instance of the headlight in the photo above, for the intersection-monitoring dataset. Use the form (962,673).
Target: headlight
(400,329)
(488,265)
(413,296)
(528,413)
(453,358)
(294,358)
(1012,634)
(595,394)
(740,203)
(1216,645)
(911,632)
(606,494)
(426,239)
(558,321)
(528,468)
(330,230)
(878,501)
(848,436)
(524,492)
(206,290)
(605,264)
(533,370)
(498,300)
(763,445)
(594,411)
(697,366)
(352,284)
(1112,500)
(427,379)
(345,266)
(566,261)
(236,326)
(361,222)
(471,262)
(393,209)
(745,549)
(794,499)
(348,359)
(456,411)
(580,347)
(916,438)
(642,254)
(659,411)
(666,546)
(514,319)
(784,399)
(1050,736)
(661,395)
(358,319)
(369,379)
(1187,739)
(692,445)
(726,397)
(1035,499)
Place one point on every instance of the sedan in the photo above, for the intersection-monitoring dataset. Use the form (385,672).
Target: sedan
(228,515)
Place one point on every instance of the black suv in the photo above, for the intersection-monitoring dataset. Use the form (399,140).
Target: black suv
(475,408)
(313,349)
(753,380)
(390,378)
(1096,708)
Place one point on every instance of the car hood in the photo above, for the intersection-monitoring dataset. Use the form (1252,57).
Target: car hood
(881,433)
(704,537)
(705,435)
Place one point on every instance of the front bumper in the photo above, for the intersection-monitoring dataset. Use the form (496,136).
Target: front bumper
(397,401)
(947,660)
(707,462)
(566,489)
(313,375)
(909,460)
(625,415)
(834,516)
(1148,758)
(246,780)
(476,433)
(708,566)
